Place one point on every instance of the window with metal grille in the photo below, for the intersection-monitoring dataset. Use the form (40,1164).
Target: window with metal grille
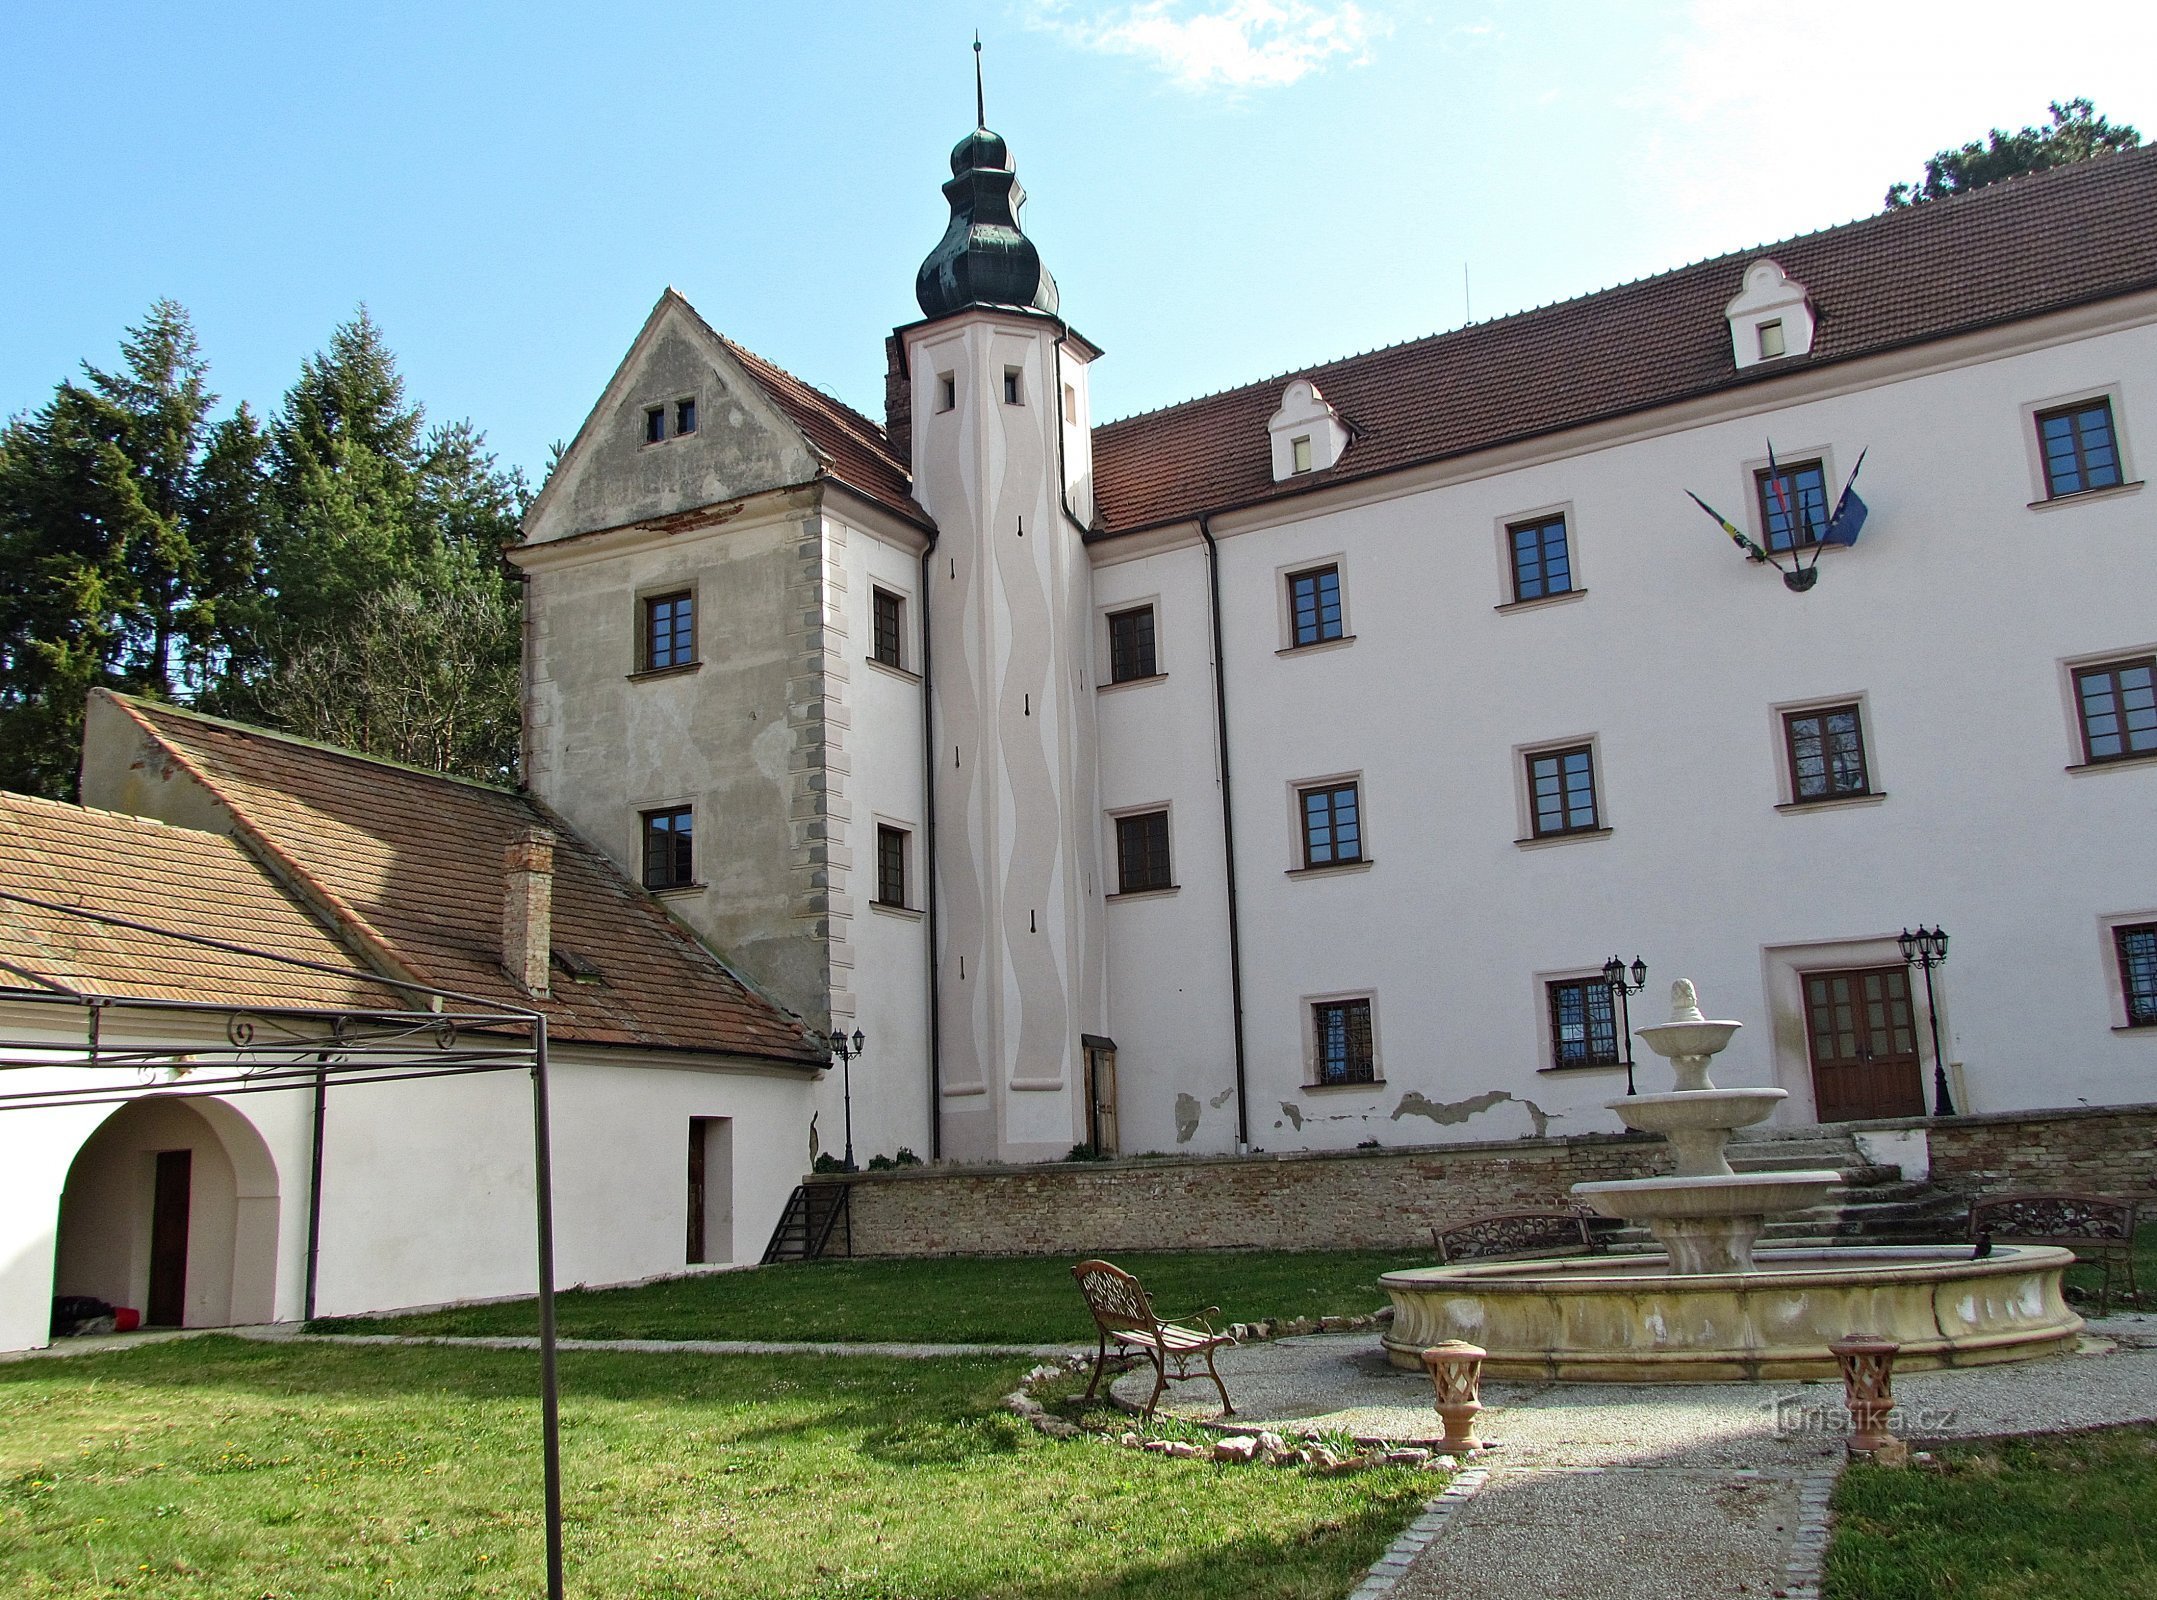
(670,630)
(888,618)
(669,860)
(2137,947)
(1827,753)
(1130,644)
(1541,564)
(1332,824)
(1793,504)
(2080,449)
(1142,853)
(1583,1027)
(890,865)
(1314,605)
(1561,791)
(1343,1037)
(685,415)
(2117,704)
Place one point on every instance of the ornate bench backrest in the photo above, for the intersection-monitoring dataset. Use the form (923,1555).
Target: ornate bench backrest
(1515,1234)
(1118,1304)
(2098,1218)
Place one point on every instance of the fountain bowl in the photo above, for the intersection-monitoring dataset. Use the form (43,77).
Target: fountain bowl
(1688,1110)
(1630,1319)
(1710,1195)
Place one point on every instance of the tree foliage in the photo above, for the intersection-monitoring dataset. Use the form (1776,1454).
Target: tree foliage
(2076,133)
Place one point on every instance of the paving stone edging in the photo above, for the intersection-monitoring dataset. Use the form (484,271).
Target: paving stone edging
(1418,1536)
(1808,1545)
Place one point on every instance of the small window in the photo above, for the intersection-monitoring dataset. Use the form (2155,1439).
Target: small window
(1793,504)
(670,631)
(669,860)
(1826,746)
(1771,339)
(655,424)
(2136,946)
(1583,1027)
(1332,824)
(1342,1035)
(2117,704)
(1561,791)
(947,391)
(1314,605)
(1130,645)
(2080,449)
(1299,452)
(1542,565)
(685,415)
(1142,853)
(1070,402)
(888,619)
(1014,387)
(891,853)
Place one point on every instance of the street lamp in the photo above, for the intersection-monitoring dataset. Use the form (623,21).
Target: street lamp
(1928,949)
(1614,980)
(846,1049)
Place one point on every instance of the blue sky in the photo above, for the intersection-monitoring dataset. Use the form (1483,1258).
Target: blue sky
(1225,189)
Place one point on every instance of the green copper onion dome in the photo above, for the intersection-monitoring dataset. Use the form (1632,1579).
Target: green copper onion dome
(983,259)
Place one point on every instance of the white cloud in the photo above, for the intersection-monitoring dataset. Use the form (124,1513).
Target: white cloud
(1232,44)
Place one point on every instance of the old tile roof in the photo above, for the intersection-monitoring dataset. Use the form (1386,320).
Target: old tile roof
(2020,249)
(145,872)
(854,449)
(412,861)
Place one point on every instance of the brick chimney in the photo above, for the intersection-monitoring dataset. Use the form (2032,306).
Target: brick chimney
(898,401)
(528,909)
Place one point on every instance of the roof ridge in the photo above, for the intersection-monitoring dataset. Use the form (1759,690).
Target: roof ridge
(77,808)
(872,433)
(258,731)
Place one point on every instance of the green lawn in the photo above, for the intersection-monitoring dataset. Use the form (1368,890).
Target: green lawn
(219,1468)
(964,1299)
(2065,1517)
(2086,1279)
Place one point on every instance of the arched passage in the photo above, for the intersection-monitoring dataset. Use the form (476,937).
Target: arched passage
(171,1207)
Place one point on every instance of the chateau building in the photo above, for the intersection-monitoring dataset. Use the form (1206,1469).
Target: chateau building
(1279,770)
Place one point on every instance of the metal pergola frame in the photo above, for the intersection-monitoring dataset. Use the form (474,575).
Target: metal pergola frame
(278,1049)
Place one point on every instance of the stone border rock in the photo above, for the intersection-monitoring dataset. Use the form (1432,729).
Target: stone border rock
(1414,1539)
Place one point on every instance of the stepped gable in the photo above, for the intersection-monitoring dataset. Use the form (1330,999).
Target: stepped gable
(412,861)
(2019,249)
(178,878)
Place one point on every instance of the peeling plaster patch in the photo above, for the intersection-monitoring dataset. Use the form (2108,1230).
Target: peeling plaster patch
(770,749)
(1223,1097)
(1447,1112)
(1292,1111)
(1186,1117)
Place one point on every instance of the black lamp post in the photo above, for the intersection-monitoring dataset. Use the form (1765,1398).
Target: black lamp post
(1928,949)
(1614,980)
(846,1049)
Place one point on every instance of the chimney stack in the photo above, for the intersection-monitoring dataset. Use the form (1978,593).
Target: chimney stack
(528,909)
(898,400)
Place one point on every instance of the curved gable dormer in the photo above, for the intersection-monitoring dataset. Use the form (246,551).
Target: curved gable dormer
(1772,317)
(1306,433)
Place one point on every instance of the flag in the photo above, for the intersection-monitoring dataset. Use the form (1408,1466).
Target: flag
(1849,519)
(1730,528)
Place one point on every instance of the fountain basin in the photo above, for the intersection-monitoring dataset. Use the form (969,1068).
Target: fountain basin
(1715,1194)
(1630,1319)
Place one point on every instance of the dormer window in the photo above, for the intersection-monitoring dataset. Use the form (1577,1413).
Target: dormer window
(1014,387)
(1306,434)
(655,424)
(1771,339)
(1771,318)
(1299,451)
(685,415)
(947,391)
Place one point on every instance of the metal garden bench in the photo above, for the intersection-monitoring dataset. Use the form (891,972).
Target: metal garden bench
(1519,1233)
(1123,1315)
(2098,1228)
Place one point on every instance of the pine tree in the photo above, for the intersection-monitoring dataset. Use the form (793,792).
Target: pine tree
(2076,133)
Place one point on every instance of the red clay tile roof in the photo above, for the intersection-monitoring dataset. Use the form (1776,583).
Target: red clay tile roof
(146,872)
(2077,234)
(414,860)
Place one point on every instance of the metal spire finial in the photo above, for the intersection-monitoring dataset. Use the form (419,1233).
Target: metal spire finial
(981,115)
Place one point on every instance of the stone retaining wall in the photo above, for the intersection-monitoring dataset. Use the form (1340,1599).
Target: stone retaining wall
(2096,1150)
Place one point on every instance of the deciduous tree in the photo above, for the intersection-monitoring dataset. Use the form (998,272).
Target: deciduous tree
(2076,133)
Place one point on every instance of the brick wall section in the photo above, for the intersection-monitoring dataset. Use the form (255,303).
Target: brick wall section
(2102,1150)
(1306,1201)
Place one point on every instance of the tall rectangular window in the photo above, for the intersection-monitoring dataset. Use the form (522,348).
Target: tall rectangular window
(1130,644)
(1793,504)
(669,859)
(888,623)
(2080,448)
(655,424)
(685,415)
(2137,948)
(1332,824)
(1014,387)
(1541,564)
(891,846)
(1142,853)
(1561,791)
(1299,453)
(1342,1031)
(2117,703)
(670,630)
(1583,1028)
(1827,753)
(1314,605)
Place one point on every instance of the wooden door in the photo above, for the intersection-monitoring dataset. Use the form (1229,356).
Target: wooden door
(168,1239)
(1101,1091)
(1863,1037)
(697,1137)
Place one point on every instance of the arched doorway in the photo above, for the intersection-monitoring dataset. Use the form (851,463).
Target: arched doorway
(171,1207)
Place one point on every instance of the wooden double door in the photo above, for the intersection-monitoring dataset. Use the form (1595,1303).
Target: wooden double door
(1861,1030)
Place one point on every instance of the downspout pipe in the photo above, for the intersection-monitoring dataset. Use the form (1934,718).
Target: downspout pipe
(928,864)
(1228,833)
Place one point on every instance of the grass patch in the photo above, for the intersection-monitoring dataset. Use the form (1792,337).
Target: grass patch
(2065,1516)
(961,1300)
(216,1467)
(2083,1281)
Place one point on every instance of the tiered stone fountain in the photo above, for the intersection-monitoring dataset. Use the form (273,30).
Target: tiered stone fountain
(1712,1308)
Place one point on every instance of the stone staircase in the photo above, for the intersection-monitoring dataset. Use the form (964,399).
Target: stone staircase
(1874,1204)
